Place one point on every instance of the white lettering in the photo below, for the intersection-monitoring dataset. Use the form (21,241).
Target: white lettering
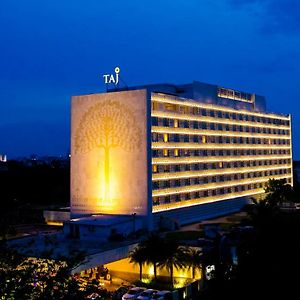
(106,78)
(111,79)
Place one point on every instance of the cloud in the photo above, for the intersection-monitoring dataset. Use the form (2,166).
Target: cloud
(277,16)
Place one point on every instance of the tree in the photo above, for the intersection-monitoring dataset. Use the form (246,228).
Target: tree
(262,211)
(278,191)
(195,260)
(153,246)
(138,256)
(106,126)
(173,255)
(28,278)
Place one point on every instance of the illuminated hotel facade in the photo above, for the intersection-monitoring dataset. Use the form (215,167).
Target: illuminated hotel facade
(182,152)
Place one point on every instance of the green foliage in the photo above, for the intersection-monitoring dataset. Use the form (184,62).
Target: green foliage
(172,256)
(27,189)
(268,255)
(166,253)
(138,256)
(261,212)
(278,192)
(25,278)
(194,259)
(184,235)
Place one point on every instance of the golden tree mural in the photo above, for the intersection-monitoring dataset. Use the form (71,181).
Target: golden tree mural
(106,126)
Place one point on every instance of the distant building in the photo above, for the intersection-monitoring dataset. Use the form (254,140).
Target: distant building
(182,152)
(56,217)
(3,163)
(3,158)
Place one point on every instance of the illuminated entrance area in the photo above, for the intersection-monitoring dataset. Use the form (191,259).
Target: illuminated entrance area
(123,272)
(130,272)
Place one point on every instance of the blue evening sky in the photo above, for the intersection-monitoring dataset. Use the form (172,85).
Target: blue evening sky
(53,49)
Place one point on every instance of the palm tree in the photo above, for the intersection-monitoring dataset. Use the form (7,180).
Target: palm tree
(195,260)
(173,255)
(138,256)
(153,250)
(261,212)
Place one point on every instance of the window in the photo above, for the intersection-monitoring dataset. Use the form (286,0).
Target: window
(154,121)
(166,137)
(170,107)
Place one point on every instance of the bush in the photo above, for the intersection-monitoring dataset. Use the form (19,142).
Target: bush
(184,235)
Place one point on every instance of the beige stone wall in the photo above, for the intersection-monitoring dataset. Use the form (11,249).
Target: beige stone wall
(109,153)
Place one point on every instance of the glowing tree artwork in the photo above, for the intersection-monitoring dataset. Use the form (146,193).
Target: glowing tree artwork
(106,126)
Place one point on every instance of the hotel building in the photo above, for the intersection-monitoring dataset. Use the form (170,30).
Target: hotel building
(173,152)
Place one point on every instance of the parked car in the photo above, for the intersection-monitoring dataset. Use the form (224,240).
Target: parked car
(93,296)
(162,295)
(147,294)
(117,295)
(133,293)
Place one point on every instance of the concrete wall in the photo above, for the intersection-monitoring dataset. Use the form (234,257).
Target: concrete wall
(102,233)
(105,257)
(109,153)
(197,213)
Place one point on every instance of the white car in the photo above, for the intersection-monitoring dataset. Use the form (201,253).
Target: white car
(162,295)
(93,296)
(133,293)
(147,294)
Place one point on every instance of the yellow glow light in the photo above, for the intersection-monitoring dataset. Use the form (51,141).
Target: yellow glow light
(166,137)
(215,185)
(54,223)
(159,145)
(190,131)
(163,114)
(154,168)
(188,102)
(191,174)
(151,270)
(189,203)
(184,160)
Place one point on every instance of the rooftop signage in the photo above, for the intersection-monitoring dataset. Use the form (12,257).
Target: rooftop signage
(112,78)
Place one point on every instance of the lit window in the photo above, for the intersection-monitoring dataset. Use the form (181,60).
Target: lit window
(154,168)
(166,137)
(166,152)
